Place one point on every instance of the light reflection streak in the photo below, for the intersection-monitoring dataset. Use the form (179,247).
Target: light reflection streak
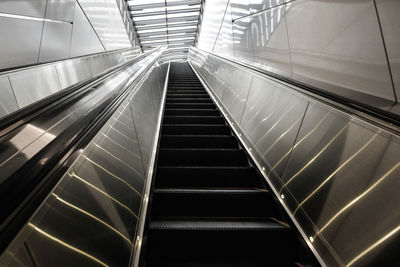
(102,192)
(373,246)
(91,216)
(314,158)
(127,137)
(355,200)
(120,160)
(299,142)
(336,171)
(121,146)
(65,244)
(112,174)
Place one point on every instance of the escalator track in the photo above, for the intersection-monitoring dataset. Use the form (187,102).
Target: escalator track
(209,206)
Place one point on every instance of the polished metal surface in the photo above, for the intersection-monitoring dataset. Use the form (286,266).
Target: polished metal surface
(334,173)
(105,17)
(8,103)
(338,47)
(32,85)
(84,39)
(55,41)
(388,11)
(347,54)
(61,10)
(20,41)
(35,8)
(91,217)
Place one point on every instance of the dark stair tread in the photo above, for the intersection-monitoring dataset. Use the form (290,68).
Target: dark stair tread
(202,157)
(198,141)
(189,176)
(196,129)
(194,120)
(218,225)
(191,112)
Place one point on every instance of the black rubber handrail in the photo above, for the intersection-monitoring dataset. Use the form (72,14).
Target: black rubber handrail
(25,190)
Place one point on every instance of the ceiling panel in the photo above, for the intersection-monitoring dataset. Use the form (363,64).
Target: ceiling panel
(171,23)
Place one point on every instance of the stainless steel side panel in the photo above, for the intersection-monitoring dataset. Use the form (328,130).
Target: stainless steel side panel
(8,103)
(61,10)
(55,41)
(91,216)
(346,54)
(388,11)
(35,8)
(73,71)
(224,44)
(335,174)
(20,41)
(270,41)
(271,122)
(34,84)
(84,40)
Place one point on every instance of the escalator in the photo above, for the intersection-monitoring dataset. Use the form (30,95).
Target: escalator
(209,206)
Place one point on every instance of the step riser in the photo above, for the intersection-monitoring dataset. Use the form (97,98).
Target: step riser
(197,142)
(189,112)
(195,130)
(170,157)
(193,120)
(189,106)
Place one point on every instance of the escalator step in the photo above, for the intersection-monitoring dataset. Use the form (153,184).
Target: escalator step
(188,100)
(174,129)
(189,177)
(215,203)
(196,141)
(177,91)
(202,157)
(191,112)
(190,105)
(194,120)
(173,95)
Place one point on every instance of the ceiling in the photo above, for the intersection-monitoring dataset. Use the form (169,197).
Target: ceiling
(172,23)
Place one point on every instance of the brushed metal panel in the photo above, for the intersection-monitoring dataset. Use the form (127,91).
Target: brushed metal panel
(84,40)
(20,41)
(224,42)
(90,218)
(259,5)
(72,71)
(240,8)
(271,120)
(35,8)
(212,20)
(34,84)
(270,41)
(342,57)
(242,39)
(8,103)
(235,95)
(106,19)
(60,10)
(388,11)
(56,39)
(342,176)
(143,115)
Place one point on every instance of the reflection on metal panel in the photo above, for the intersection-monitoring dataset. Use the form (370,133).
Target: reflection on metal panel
(212,19)
(348,53)
(91,217)
(20,41)
(235,95)
(73,71)
(224,43)
(334,173)
(84,40)
(242,39)
(271,121)
(388,11)
(7,98)
(60,10)
(55,41)
(35,8)
(34,84)
(270,41)
(106,19)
